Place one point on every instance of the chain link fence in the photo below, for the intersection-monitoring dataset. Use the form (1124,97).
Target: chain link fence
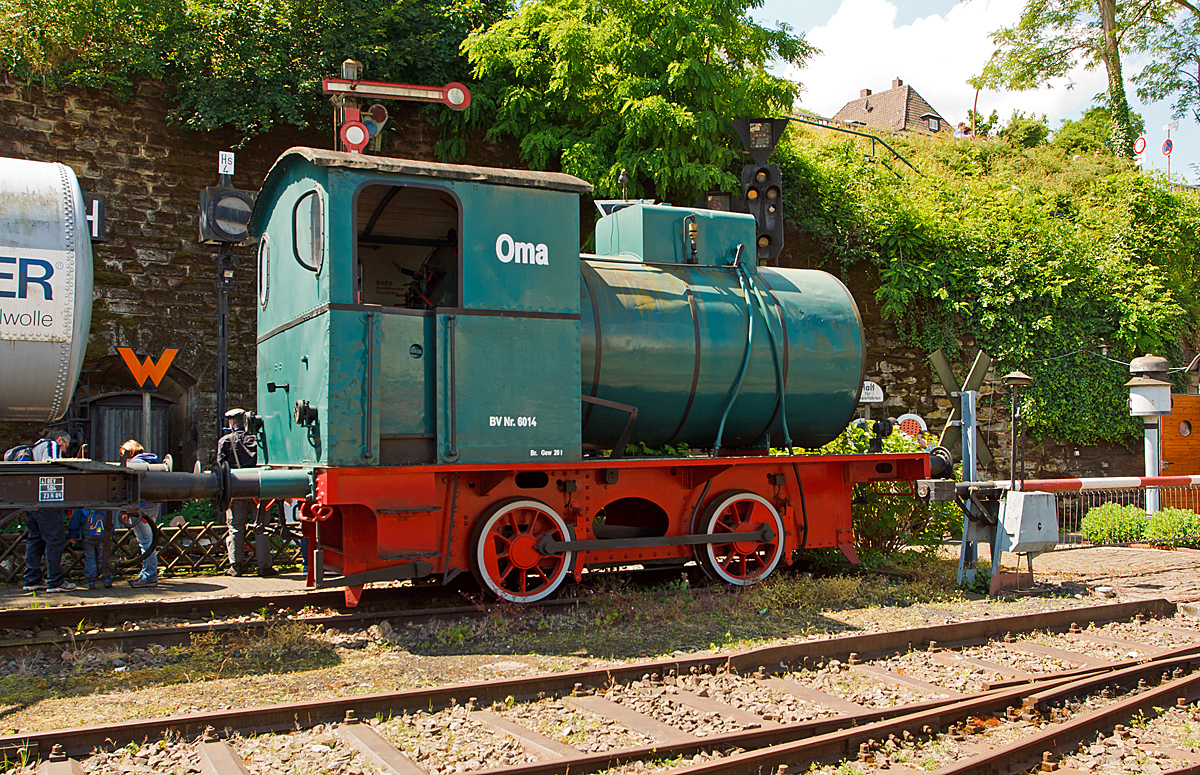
(182,551)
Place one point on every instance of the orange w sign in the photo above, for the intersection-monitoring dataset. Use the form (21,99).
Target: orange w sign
(148,370)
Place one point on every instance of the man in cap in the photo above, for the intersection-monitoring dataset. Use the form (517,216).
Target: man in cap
(47,528)
(239,449)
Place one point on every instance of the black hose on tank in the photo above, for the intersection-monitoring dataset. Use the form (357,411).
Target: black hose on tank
(737,386)
(779,386)
(803,507)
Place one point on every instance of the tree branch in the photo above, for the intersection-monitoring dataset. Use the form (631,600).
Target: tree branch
(1187,5)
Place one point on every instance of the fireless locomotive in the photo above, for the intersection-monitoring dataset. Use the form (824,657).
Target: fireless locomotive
(452,386)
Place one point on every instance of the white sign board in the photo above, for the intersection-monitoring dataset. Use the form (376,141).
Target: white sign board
(37,294)
(225,163)
(871,394)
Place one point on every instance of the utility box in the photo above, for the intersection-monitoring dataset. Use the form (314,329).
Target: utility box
(1028,522)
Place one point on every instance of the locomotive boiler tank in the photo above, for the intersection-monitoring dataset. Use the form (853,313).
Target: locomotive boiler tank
(45,288)
(670,338)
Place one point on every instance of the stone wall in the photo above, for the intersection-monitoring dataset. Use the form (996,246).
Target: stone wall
(910,385)
(155,283)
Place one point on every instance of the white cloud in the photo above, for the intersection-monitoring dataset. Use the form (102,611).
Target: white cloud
(864,49)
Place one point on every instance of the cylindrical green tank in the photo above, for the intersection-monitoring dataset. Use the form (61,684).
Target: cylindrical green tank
(670,339)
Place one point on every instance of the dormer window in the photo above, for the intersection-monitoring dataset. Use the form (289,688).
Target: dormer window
(934,125)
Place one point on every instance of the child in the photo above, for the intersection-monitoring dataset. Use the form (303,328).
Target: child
(141,518)
(88,526)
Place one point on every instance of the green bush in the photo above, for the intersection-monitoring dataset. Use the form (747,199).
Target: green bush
(1170,526)
(886,516)
(1114,524)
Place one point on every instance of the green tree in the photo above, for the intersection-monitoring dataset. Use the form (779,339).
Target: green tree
(1090,131)
(597,86)
(1176,68)
(983,126)
(250,64)
(1027,131)
(1054,36)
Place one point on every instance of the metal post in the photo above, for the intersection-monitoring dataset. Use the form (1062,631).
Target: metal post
(968,554)
(970,439)
(225,281)
(1150,428)
(147,426)
(1012,458)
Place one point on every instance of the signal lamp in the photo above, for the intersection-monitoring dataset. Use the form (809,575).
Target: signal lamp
(764,241)
(752,193)
(761,176)
(225,214)
(772,193)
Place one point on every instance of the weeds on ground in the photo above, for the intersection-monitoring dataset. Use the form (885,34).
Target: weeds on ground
(624,620)
(284,646)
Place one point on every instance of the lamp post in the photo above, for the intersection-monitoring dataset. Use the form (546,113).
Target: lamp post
(1150,397)
(1015,381)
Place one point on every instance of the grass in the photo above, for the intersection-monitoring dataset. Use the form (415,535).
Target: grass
(625,621)
(284,646)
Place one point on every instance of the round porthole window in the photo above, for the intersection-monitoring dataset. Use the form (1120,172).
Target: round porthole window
(1185,428)
(264,270)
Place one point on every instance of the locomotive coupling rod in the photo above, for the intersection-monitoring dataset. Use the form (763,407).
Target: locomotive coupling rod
(548,545)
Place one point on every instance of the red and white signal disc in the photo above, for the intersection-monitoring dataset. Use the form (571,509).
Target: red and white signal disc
(355,135)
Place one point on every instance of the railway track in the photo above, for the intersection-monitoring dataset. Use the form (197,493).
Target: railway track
(757,711)
(123,626)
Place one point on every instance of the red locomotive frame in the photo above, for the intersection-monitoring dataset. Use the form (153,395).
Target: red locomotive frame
(521,529)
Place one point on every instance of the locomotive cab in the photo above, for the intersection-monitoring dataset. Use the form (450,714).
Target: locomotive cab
(414,312)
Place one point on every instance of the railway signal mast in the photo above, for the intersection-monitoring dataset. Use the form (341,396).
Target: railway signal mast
(762,183)
(356,128)
(224,221)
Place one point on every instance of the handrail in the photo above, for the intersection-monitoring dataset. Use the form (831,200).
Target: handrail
(828,124)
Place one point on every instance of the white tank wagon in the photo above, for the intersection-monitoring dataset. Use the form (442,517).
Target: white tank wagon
(45,289)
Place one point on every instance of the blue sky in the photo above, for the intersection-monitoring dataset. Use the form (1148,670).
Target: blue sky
(935,46)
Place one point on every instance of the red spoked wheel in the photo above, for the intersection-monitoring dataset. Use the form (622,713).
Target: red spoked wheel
(748,560)
(508,562)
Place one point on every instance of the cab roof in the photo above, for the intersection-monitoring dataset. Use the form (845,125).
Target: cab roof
(498,176)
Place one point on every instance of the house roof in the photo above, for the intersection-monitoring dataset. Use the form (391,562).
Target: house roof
(898,109)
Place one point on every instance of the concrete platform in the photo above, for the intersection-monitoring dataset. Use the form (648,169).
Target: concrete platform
(198,587)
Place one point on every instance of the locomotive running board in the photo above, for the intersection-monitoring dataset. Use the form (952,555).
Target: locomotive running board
(413,570)
(548,545)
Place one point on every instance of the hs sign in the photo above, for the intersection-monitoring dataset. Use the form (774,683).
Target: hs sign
(509,251)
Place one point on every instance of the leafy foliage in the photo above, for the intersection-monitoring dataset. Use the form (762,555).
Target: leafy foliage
(1114,524)
(1090,132)
(1026,131)
(594,87)
(250,64)
(886,517)
(1172,527)
(1023,252)
(1176,67)
(1052,37)
(983,126)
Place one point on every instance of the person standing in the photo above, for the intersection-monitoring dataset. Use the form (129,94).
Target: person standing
(142,519)
(87,525)
(239,449)
(47,528)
